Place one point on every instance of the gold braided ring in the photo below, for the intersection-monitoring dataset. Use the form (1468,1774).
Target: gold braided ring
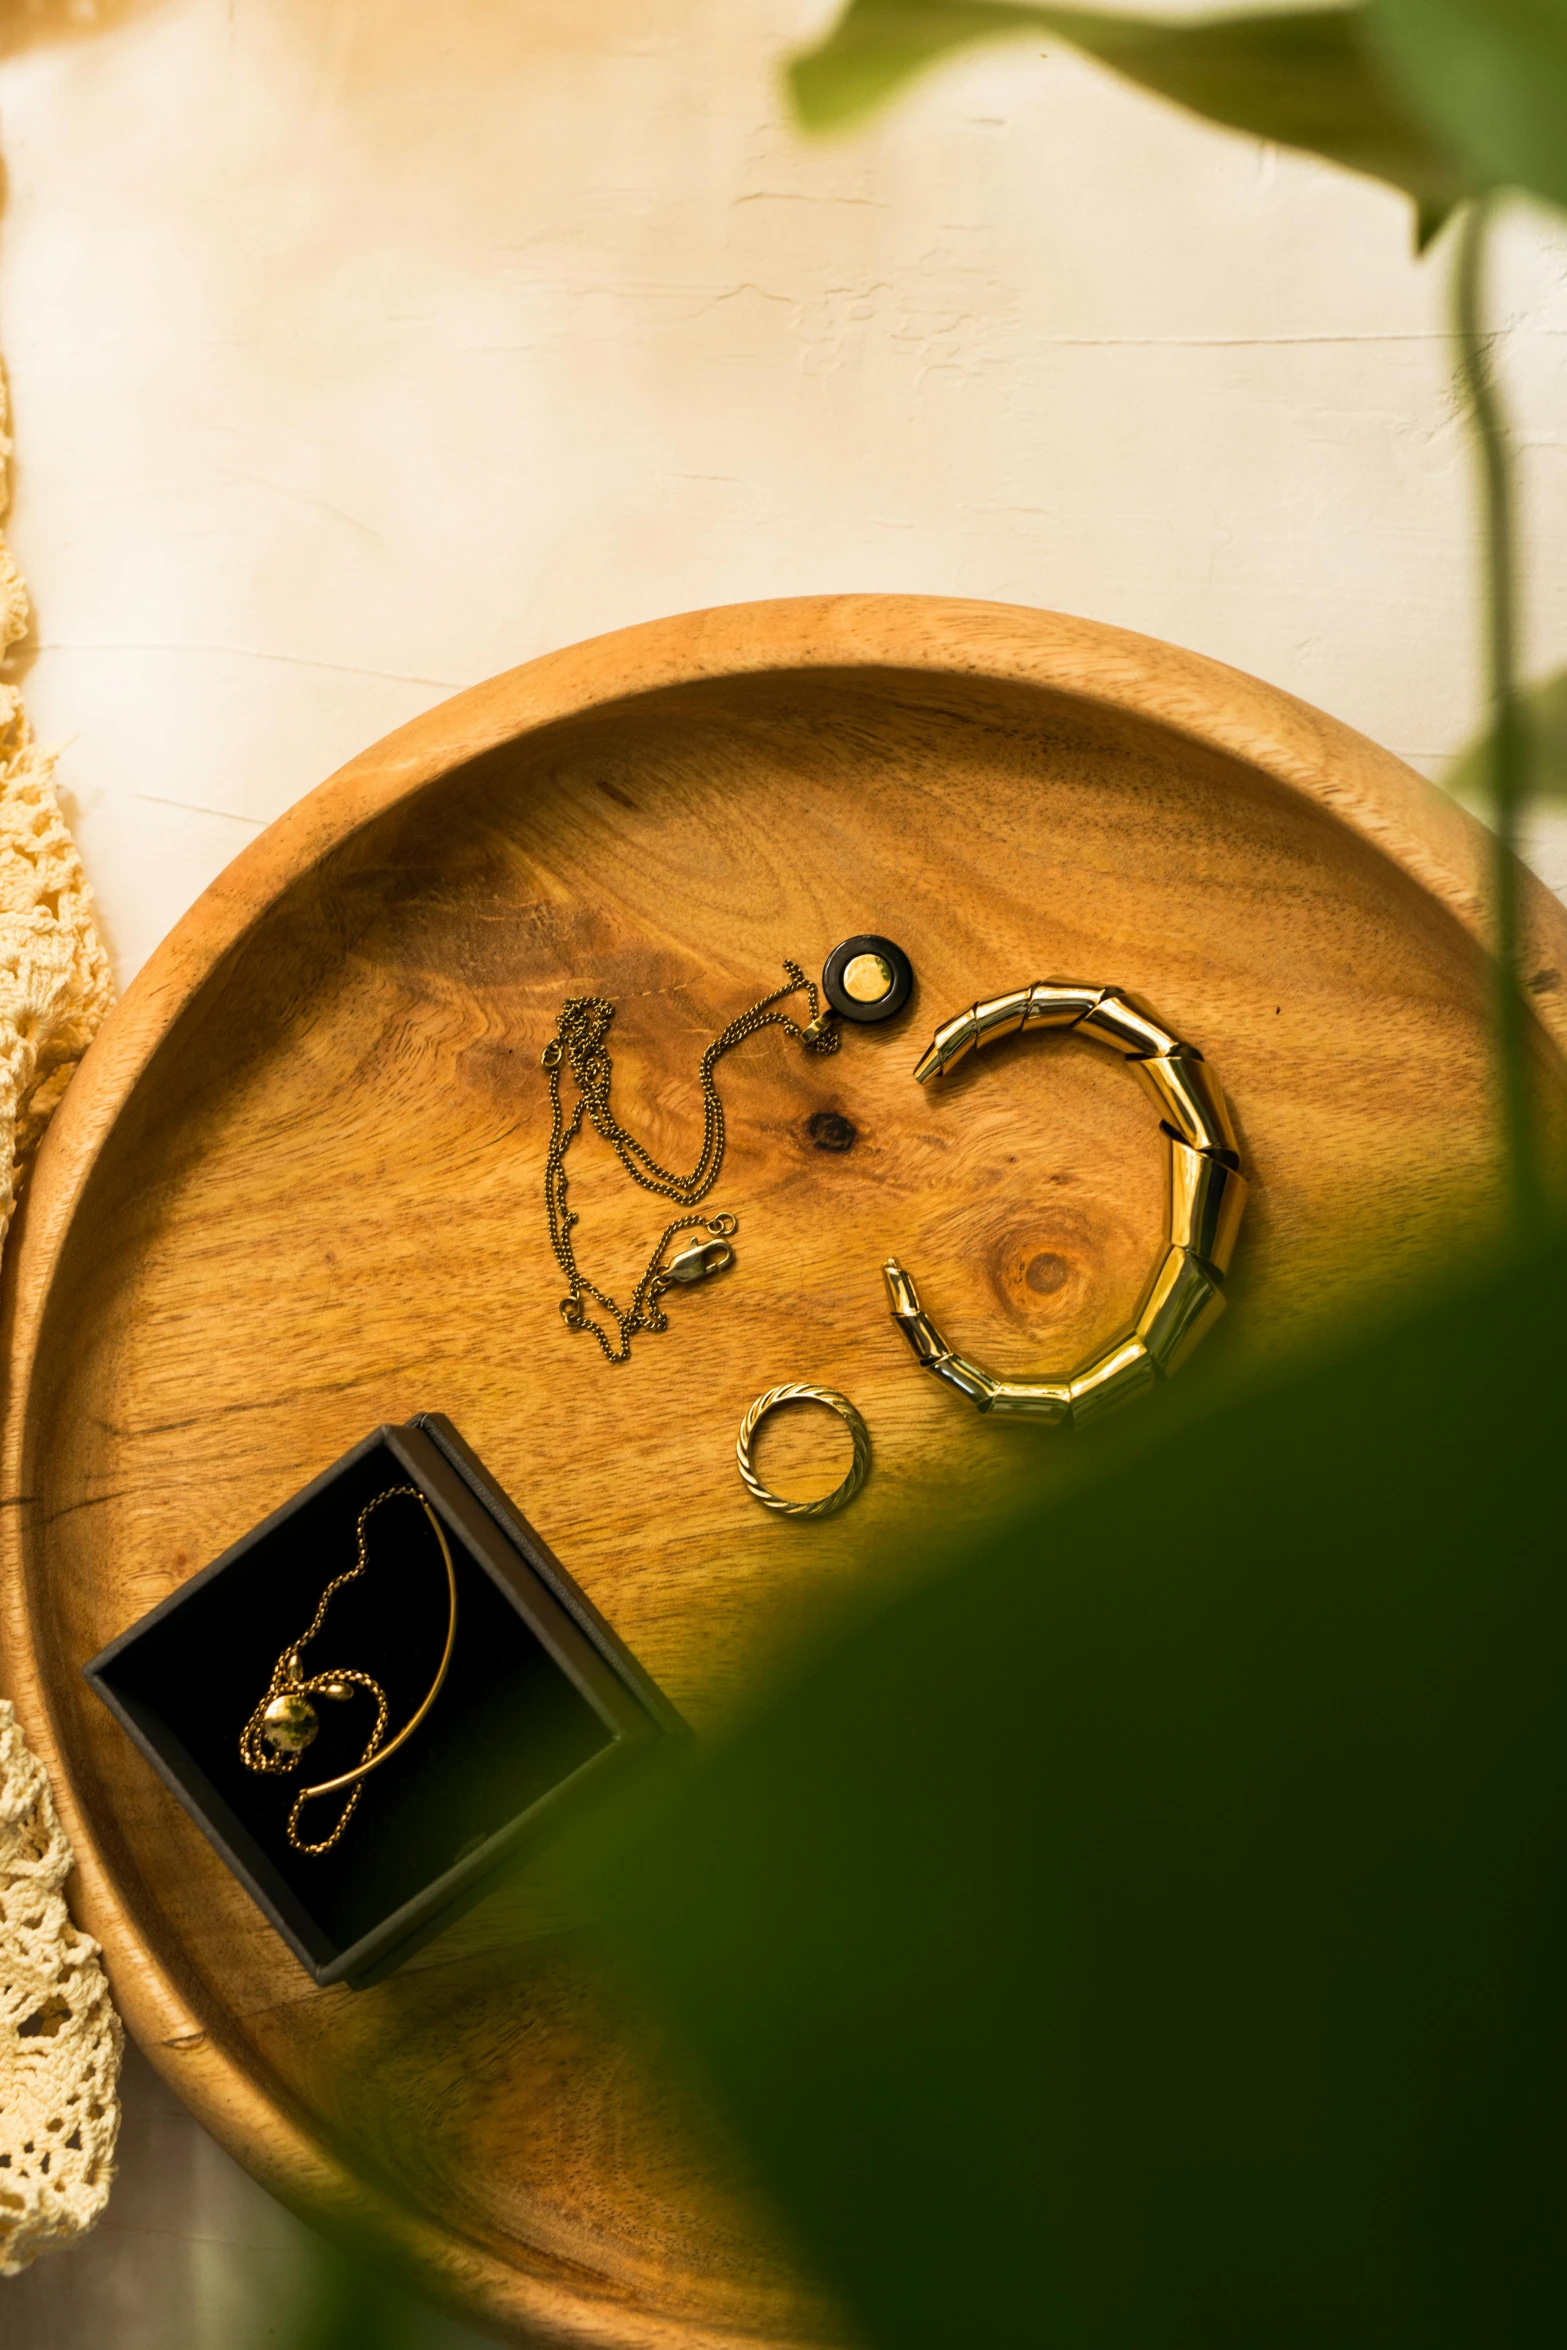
(1185,1293)
(842,1494)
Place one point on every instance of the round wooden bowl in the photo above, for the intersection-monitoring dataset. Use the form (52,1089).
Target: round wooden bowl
(295,1191)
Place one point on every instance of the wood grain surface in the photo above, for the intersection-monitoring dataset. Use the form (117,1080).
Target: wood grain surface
(295,1191)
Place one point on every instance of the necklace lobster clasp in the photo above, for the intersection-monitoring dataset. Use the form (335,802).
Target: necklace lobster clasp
(702,1253)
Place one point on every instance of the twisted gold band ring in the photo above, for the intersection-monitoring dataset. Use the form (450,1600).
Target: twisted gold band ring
(842,1494)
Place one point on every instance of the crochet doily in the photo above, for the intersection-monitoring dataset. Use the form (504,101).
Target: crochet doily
(54,973)
(60,2039)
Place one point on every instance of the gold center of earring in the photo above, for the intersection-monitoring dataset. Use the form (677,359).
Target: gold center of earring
(868,978)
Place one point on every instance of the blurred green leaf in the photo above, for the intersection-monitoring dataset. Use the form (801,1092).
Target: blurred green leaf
(1545,714)
(1490,76)
(1307,79)
(355,2304)
(1152,1930)
(356,2299)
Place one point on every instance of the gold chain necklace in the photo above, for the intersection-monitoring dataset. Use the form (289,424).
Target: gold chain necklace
(579,1045)
(285,1721)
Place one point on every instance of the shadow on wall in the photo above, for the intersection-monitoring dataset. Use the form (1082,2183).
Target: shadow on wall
(26,23)
(447,87)
(385,43)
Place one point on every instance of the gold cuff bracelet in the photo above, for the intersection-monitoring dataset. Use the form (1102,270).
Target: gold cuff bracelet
(1207,1199)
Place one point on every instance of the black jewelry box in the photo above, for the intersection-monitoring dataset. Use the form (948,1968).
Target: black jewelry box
(541,1699)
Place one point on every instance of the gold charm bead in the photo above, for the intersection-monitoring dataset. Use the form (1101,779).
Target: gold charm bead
(289,1723)
(1207,1197)
(841,1495)
(868,978)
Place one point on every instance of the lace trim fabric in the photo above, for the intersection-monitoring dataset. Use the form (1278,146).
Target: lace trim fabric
(60,2039)
(54,973)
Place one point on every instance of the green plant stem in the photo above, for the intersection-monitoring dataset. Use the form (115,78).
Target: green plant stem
(1509,746)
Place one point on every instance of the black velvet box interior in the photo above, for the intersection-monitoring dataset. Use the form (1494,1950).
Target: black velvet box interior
(540,1699)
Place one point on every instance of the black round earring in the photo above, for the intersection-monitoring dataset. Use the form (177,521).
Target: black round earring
(867,979)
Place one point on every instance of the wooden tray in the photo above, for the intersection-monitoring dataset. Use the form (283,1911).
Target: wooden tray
(295,1191)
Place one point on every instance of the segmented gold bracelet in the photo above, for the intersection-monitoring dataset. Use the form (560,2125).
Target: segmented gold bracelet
(1207,1199)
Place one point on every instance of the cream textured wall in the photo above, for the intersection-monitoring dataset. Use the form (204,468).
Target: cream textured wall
(363,347)
(360,348)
